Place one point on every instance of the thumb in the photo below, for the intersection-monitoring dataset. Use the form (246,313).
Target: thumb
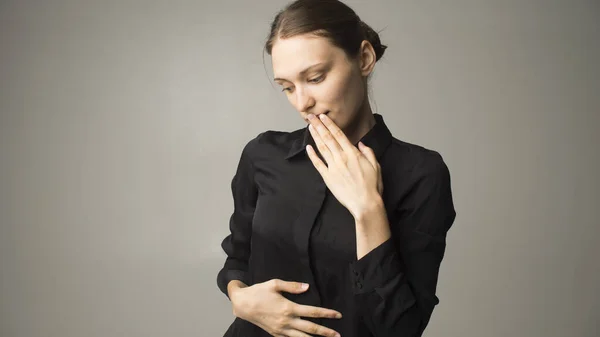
(289,287)
(368,152)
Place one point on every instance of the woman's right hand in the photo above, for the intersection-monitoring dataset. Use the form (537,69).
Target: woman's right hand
(264,306)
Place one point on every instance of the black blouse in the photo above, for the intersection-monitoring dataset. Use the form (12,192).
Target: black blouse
(286,224)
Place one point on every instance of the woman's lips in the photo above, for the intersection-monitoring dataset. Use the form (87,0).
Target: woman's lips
(325,113)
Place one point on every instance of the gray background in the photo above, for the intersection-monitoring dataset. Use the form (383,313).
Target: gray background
(122,123)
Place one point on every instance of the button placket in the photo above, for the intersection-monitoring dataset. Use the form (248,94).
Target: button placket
(315,196)
(358,280)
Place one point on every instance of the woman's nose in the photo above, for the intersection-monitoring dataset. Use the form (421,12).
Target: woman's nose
(304,101)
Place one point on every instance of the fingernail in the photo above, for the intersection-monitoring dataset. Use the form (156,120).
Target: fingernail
(338,334)
(311,116)
(304,286)
(338,315)
(322,116)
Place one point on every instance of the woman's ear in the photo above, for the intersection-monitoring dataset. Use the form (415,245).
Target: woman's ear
(366,58)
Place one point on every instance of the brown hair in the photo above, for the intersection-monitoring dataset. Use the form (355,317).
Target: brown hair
(331,19)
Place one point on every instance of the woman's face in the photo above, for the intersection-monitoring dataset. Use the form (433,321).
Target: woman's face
(317,77)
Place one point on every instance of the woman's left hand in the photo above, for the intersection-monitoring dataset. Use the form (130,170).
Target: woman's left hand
(352,174)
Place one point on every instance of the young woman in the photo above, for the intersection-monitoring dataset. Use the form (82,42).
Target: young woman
(341,205)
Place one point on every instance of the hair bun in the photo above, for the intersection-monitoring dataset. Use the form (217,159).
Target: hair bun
(373,37)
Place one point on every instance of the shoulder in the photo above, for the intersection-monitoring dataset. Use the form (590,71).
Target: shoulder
(425,184)
(271,142)
(417,159)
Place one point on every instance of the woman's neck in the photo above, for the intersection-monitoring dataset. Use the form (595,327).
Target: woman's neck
(361,125)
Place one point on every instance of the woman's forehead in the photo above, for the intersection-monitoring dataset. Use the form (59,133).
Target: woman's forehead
(292,55)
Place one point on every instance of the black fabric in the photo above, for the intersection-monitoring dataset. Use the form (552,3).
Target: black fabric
(286,224)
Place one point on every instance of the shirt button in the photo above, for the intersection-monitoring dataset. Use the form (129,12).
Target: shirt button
(359,285)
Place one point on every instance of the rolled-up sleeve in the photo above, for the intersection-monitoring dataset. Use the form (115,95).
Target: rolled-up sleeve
(237,244)
(395,283)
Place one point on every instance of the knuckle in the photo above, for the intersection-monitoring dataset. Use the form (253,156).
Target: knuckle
(277,331)
(287,310)
(281,323)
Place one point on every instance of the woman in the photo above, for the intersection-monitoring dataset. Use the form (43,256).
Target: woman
(357,215)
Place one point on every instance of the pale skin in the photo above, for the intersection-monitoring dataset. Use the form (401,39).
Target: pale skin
(329,91)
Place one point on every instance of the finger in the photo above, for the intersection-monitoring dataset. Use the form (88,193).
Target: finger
(288,286)
(338,135)
(290,332)
(369,153)
(328,138)
(323,148)
(316,312)
(311,328)
(317,162)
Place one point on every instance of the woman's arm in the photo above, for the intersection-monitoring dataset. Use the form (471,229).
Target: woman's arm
(395,282)
(237,244)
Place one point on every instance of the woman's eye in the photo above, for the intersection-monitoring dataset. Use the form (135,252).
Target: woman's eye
(313,80)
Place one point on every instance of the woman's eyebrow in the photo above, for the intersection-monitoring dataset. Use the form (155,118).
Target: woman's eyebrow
(303,71)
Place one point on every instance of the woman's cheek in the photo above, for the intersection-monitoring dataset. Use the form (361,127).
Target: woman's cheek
(336,94)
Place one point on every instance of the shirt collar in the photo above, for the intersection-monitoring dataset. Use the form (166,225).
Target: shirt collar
(378,138)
